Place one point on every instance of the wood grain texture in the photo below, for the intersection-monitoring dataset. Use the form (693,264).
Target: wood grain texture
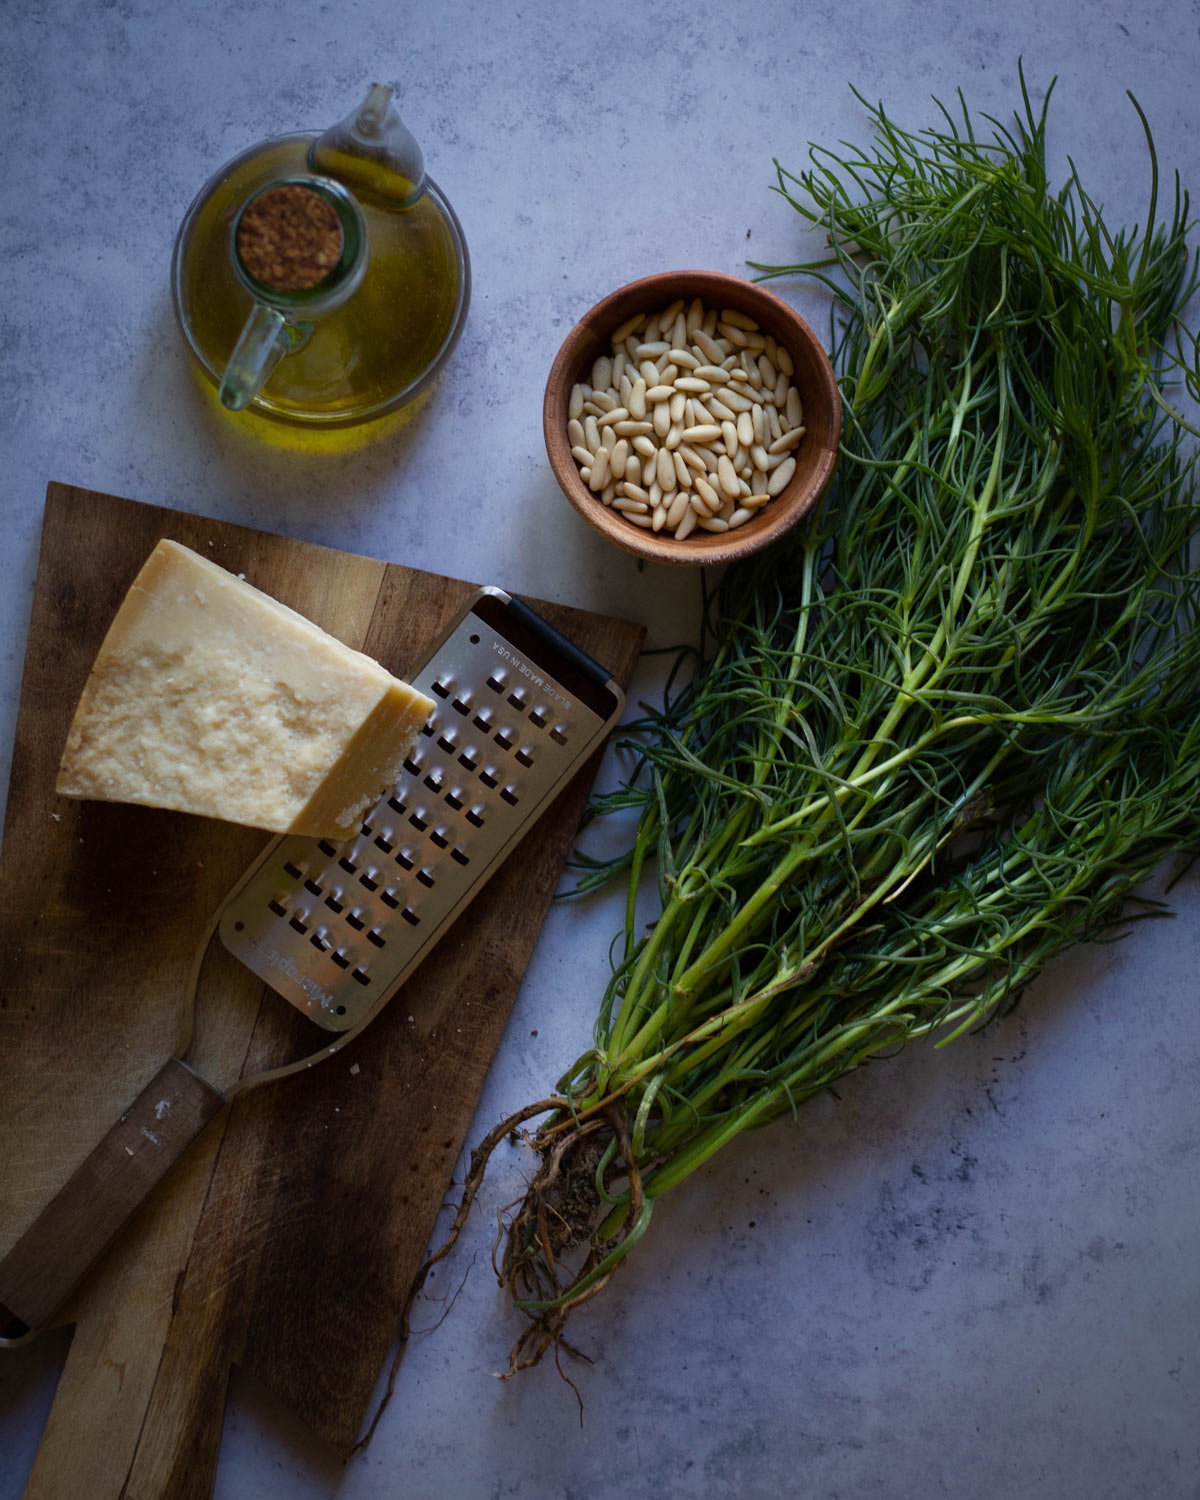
(87,1213)
(298,1187)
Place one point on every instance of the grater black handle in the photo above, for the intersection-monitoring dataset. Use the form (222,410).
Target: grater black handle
(567,650)
(534,635)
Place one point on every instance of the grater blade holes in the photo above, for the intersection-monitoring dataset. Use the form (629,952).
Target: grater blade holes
(559,734)
(395,804)
(293,870)
(425,876)
(454,798)
(475,815)
(355,919)
(334,905)
(463,705)
(404,859)
(505,738)
(524,756)
(509,794)
(439,838)
(413,765)
(339,958)
(326,848)
(298,923)
(411,917)
(361,975)
(313,886)
(489,777)
(348,865)
(460,856)
(418,822)
(277,907)
(441,688)
(469,759)
(389,899)
(383,842)
(376,937)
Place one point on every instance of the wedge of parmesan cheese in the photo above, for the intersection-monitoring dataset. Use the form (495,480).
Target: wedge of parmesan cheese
(210,697)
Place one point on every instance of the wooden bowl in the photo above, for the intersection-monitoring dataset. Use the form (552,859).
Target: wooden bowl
(814,379)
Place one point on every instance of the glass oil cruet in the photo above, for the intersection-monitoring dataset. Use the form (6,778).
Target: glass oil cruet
(323,279)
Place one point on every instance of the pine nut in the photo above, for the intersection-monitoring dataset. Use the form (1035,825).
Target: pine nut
(787,441)
(792,409)
(707,494)
(709,346)
(726,473)
(630,325)
(780,477)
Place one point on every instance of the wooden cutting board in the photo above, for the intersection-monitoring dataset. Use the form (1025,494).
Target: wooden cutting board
(288,1237)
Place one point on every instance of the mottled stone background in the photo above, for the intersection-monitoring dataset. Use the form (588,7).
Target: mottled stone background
(974,1274)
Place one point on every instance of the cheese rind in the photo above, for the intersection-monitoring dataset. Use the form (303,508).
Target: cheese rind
(210,697)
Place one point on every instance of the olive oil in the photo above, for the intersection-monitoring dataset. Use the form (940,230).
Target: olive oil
(372,354)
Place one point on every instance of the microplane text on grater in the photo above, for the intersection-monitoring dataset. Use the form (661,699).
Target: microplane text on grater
(518,708)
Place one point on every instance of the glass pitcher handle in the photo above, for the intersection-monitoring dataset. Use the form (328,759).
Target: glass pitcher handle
(264,341)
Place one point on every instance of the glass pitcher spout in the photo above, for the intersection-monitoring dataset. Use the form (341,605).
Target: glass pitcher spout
(373,152)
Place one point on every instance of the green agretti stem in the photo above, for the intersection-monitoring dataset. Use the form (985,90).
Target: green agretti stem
(945,732)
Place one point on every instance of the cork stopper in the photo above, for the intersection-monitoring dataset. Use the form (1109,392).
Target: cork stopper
(289,238)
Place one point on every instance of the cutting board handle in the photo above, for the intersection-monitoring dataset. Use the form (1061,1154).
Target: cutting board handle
(88,1212)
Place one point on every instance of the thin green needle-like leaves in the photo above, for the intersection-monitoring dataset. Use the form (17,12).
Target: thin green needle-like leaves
(948,730)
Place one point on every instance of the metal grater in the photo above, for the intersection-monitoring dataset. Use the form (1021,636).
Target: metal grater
(335,929)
